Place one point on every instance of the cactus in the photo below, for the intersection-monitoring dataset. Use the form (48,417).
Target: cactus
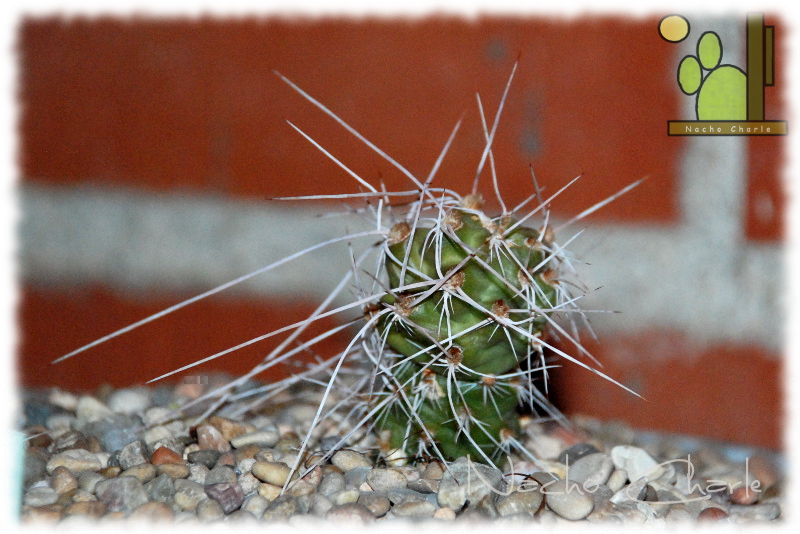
(452,319)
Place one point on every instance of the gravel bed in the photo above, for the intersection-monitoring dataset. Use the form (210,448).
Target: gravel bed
(103,457)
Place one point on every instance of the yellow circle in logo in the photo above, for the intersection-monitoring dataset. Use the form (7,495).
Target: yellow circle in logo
(673,28)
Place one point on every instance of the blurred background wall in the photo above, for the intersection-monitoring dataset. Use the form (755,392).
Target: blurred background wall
(149,150)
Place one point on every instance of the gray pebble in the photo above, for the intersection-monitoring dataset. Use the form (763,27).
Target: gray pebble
(468,481)
(88,479)
(115,431)
(40,496)
(519,502)
(385,479)
(88,409)
(637,462)
(398,495)
(121,494)
(345,496)
(188,494)
(221,474)
(209,510)
(331,483)
(576,452)
(281,508)
(755,512)
(134,453)
(568,500)
(377,504)
(414,509)
(206,457)
(261,438)
(349,512)
(617,479)
(129,401)
(320,505)
(356,476)
(425,485)
(160,489)
(591,470)
(255,504)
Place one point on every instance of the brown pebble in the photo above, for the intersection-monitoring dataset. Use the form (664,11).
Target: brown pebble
(229,428)
(38,436)
(229,495)
(248,451)
(63,480)
(226,458)
(173,471)
(42,514)
(144,472)
(163,455)
(93,509)
(744,495)
(209,437)
(111,472)
(712,514)
(153,511)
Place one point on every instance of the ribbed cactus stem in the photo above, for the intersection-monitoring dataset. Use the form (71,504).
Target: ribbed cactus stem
(463,350)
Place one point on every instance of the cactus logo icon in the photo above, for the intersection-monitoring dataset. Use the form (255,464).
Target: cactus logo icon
(727,100)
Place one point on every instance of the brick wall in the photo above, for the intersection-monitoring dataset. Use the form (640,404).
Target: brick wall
(148,149)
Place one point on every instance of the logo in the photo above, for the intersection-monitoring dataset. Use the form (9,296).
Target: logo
(728,100)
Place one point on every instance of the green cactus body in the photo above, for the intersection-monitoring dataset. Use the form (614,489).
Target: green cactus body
(453,338)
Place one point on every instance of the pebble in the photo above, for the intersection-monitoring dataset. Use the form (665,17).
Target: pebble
(173,470)
(228,428)
(568,500)
(519,502)
(160,489)
(134,453)
(636,462)
(40,496)
(347,460)
(209,510)
(755,512)
(260,438)
(188,494)
(163,455)
(712,514)
(78,468)
(76,460)
(121,494)
(377,504)
(93,509)
(144,472)
(269,492)
(153,512)
(255,504)
(415,509)
(275,473)
(63,480)
(591,470)
(576,452)
(383,480)
(129,401)
(616,481)
(208,437)
(331,483)
(350,512)
(461,483)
